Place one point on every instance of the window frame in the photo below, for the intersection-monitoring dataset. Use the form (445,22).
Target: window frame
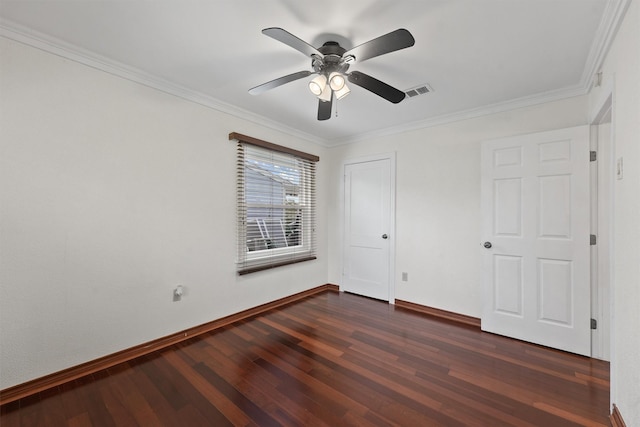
(250,261)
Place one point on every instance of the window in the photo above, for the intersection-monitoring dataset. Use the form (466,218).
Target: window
(275,203)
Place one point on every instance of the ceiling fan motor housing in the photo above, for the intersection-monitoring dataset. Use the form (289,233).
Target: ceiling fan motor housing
(332,48)
(332,61)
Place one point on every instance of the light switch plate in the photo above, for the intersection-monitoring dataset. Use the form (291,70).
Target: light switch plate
(619,170)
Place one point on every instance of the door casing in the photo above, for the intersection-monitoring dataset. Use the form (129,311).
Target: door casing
(391,156)
(602,224)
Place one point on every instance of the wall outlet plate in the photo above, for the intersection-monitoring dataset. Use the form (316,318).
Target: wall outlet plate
(177,293)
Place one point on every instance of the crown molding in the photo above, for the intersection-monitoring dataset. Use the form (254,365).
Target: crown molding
(607,29)
(471,113)
(612,18)
(75,53)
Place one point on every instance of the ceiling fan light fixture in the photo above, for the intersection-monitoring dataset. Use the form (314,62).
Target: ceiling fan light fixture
(318,85)
(325,96)
(342,92)
(336,81)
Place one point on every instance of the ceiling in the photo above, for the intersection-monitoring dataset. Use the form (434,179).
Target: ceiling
(479,56)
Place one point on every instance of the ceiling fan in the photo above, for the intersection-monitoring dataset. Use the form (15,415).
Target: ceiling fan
(331,62)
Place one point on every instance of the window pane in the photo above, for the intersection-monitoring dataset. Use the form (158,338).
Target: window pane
(276,204)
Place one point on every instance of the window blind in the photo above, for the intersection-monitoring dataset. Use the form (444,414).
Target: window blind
(276,205)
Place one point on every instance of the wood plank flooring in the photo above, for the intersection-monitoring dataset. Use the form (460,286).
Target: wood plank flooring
(334,359)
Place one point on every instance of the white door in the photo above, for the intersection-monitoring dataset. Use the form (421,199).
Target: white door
(535,208)
(367,228)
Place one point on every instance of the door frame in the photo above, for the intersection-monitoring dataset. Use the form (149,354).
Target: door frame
(391,156)
(602,282)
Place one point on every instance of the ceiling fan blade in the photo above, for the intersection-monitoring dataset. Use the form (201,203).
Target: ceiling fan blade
(324,109)
(382,89)
(291,40)
(395,40)
(279,82)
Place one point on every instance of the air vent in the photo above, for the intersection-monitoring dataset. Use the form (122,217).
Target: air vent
(419,90)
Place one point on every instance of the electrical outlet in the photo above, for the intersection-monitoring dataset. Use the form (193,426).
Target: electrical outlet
(405,276)
(177,293)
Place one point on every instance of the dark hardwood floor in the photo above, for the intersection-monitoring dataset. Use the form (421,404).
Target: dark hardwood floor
(334,360)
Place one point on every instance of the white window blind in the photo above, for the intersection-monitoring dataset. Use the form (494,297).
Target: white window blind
(276,205)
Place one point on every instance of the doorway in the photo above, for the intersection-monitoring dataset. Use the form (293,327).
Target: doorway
(369,226)
(536,227)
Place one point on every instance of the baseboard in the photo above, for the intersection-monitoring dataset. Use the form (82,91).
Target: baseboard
(57,378)
(616,418)
(442,314)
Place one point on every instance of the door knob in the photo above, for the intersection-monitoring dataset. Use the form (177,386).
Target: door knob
(384,236)
(487,245)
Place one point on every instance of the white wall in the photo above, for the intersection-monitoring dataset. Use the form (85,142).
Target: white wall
(621,72)
(438,236)
(111,194)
